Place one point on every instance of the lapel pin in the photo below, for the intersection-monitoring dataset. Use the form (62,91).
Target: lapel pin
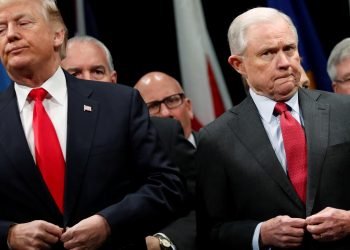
(87,108)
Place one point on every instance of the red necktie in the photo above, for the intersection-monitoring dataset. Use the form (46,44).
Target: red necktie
(48,153)
(295,147)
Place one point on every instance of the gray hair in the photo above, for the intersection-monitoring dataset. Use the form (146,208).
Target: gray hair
(239,26)
(340,52)
(52,14)
(90,39)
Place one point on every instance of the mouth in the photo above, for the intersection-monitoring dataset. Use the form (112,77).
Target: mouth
(284,79)
(15,50)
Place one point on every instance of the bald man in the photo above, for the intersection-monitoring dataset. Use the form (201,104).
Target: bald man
(165,97)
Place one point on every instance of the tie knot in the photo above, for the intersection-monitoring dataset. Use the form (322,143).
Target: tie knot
(280,107)
(38,94)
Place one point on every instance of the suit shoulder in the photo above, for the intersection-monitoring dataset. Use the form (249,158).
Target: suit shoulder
(328,97)
(217,125)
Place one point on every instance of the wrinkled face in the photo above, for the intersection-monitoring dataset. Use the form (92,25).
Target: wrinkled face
(27,39)
(342,83)
(158,90)
(271,61)
(86,60)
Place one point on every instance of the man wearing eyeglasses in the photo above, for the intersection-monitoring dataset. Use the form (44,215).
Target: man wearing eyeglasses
(338,67)
(165,97)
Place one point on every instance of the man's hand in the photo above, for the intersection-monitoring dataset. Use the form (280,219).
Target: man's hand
(88,234)
(152,243)
(282,232)
(329,224)
(33,235)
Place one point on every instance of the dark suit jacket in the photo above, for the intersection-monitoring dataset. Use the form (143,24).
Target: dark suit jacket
(242,183)
(183,230)
(115,167)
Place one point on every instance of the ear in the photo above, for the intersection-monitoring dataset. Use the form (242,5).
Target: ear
(189,108)
(237,63)
(59,37)
(334,86)
(114,76)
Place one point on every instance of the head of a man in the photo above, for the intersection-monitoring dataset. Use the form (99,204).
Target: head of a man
(88,58)
(264,50)
(32,39)
(165,97)
(338,67)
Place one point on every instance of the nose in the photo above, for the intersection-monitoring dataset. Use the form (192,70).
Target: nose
(87,75)
(283,60)
(12,32)
(164,110)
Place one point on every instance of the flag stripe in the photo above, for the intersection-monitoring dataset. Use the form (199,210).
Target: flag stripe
(202,78)
(217,101)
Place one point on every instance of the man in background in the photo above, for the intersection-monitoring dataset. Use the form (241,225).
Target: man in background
(88,58)
(165,97)
(338,67)
(97,64)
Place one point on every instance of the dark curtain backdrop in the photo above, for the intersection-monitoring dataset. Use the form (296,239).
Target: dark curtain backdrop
(141,34)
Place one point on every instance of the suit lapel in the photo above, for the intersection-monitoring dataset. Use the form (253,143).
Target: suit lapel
(82,115)
(316,122)
(14,143)
(249,129)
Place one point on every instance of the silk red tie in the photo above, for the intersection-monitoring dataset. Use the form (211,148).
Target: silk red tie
(48,153)
(295,147)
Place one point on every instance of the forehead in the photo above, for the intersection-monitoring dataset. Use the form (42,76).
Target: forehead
(85,53)
(84,47)
(157,89)
(270,33)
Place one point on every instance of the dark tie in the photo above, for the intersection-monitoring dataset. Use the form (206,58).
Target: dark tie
(48,152)
(295,147)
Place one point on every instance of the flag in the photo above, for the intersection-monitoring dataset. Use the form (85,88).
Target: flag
(4,78)
(202,78)
(314,60)
(85,23)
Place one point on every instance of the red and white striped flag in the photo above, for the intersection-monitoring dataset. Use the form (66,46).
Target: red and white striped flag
(202,78)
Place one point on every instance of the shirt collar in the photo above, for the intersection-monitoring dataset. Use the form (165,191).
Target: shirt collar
(266,105)
(56,86)
(192,140)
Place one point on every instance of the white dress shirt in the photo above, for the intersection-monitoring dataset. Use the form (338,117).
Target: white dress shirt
(272,126)
(55,104)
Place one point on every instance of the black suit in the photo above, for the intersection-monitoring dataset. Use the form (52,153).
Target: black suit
(114,167)
(241,182)
(182,231)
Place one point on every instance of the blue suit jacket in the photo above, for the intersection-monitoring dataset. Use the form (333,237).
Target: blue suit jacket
(114,166)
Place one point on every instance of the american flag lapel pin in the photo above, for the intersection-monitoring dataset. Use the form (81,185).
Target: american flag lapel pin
(87,108)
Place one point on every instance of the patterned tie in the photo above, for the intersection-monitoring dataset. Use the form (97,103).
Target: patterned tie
(295,148)
(48,153)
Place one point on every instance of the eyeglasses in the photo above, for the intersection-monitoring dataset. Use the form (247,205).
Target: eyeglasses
(170,102)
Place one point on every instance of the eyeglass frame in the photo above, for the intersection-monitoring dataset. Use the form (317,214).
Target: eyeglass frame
(164,100)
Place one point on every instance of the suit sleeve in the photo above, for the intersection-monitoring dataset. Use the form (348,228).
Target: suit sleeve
(158,194)
(182,232)
(217,226)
